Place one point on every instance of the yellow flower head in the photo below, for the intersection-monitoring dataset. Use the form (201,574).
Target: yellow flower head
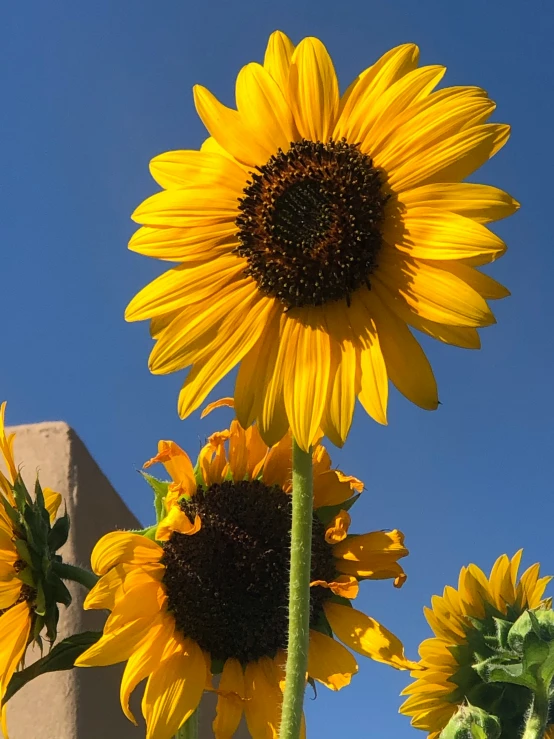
(21,576)
(312,229)
(465,622)
(210,594)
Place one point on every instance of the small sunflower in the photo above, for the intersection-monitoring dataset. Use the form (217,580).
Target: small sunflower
(465,623)
(209,595)
(20,624)
(312,229)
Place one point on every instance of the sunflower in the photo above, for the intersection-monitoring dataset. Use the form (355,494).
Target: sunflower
(465,624)
(208,596)
(312,229)
(19,625)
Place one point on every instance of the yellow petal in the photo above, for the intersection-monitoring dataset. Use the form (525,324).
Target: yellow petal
(453,159)
(238,451)
(52,502)
(123,547)
(365,547)
(256,451)
(6,445)
(278,57)
(313,90)
(383,112)
(227,128)
(433,293)
(235,345)
(181,169)
(15,627)
(366,636)
(337,529)
(231,694)
(370,87)
(221,403)
(329,662)
(332,488)
(263,109)
(306,382)
(194,244)
(374,389)
(173,691)
(486,287)
(10,587)
(177,463)
(277,469)
(183,285)
(343,389)
(177,520)
(201,328)
(462,336)
(262,706)
(428,233)
(406,364)
(482,203)
(193,206)
(273,421)
(144,661)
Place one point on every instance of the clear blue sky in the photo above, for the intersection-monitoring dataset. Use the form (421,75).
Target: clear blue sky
(92,91)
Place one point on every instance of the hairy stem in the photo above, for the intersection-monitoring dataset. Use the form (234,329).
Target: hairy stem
(299,592)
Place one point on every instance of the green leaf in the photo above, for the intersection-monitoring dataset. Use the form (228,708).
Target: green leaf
(62,657)
(58,533)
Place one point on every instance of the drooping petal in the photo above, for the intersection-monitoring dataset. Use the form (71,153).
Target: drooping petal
(15,628)
(329,662)
(230,702)
(177,520)
(263,699)
(346,586)
(173,691)
(120,547)
(366,636)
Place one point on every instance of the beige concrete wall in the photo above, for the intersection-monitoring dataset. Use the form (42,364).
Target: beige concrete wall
(82,703)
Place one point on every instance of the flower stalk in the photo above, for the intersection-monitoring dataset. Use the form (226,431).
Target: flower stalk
(86,578)
(537,718)
(299,593)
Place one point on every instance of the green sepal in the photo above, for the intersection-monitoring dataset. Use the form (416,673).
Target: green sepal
(149,532)
(13,513)
(327,513)
(160,488)
(23,551)
(60,592)
(341,600)
(40,506)
(62,657)
(198,476)
(322,625)
(40,600)
(26,577)
(216,666)
(59,533)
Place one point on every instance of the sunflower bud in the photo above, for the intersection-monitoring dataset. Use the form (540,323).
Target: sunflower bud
(471,722)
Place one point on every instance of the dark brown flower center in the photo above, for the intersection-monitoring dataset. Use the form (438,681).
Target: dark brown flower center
(311,221)
(227,584)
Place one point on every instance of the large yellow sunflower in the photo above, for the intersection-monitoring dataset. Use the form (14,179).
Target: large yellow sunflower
(465,624)
(312,229)
(209,595)
(18,598)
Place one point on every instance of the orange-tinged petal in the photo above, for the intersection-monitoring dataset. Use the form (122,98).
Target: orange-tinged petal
(177,520)
(52,502)
(337,529)
(332,488)
(177,463)
(277,468)
(221,403)
(366,636)
(344,585)
(238,451)
(329,662)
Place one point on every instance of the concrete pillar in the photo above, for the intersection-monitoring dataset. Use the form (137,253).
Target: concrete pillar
(81,703)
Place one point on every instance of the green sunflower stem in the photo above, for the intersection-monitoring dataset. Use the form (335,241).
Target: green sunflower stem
(71,572)
(537,718)
(299,593)
(189,730)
